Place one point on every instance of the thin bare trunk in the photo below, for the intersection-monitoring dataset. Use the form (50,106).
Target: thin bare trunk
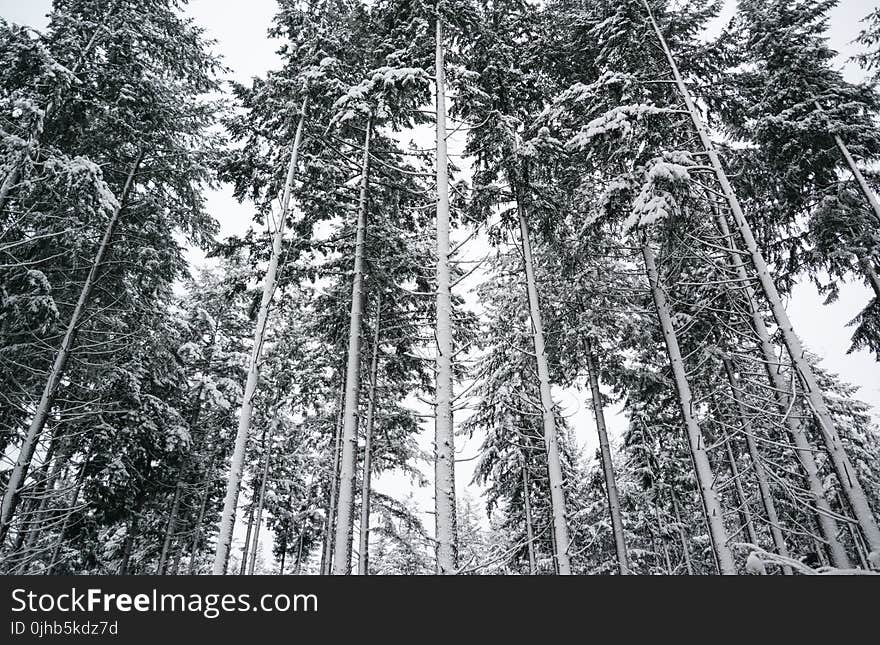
(175,564)
(712,510)
(283,557)
(846,474)
(682,537)
(661,525)
(857,173)
(35,429)
(170,529)
(444,443)
(744,510)
(607,462)
(29,533)
(233,485)
(858,544)
(348,465)
(297,569)
(327,553)
(551,441)
(246,547)
(527,505)
(760,473)
(128,545)
(200,518)
(364,545)
(803,448)
(71,509)
(259,520)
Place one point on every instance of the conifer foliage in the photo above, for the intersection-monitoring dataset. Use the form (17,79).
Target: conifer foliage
(466,215)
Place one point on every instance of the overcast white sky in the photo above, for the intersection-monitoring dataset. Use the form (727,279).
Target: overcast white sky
(240,30)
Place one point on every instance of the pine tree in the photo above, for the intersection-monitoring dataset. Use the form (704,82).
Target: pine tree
(120,262)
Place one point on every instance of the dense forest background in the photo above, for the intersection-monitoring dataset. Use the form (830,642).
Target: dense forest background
(577,240)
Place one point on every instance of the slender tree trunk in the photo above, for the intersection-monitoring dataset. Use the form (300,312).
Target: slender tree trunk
(175,565)
(745,512)
(607,462)
(846,474)
(712,510)
(348,466)
(553,545)
(71,509)
(170,529)
(444,444)
(29,533)
(127,547)
(233,486)
(327,555)
(364,546)
(803,448)
(682,536)
(283,557)
(857,173)
(662,527)
(858,545)
(258,522)
(245,549)
(200,518)
(297,569)
(551,442)
(527,505)
(32,438)
(760,473)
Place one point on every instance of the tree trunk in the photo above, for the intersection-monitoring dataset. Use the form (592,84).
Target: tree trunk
(858,544)
(30,530)
(327,554)
(364,546)
(348,466)
(170,530)
(527,505)
(663,528)
(245,549)
(175,566)
(297,569)
(32,438)
(745,512)
(682,537)
(128,545)
(607,462)
(705,480)
(760,474)
(444,443)
(71,509)
(200,518)
(283,557)
(233,485)
(846,474)
(857,173)
(256,543)
(803,448)
(551,442)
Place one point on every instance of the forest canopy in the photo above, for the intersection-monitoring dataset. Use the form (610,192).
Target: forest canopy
(459,210)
